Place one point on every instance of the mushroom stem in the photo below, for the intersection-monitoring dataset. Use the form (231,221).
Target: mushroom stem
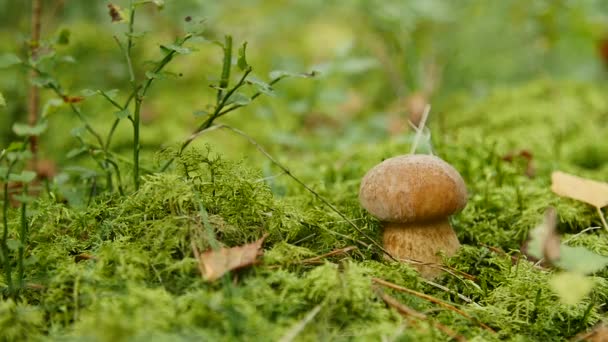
(421,241)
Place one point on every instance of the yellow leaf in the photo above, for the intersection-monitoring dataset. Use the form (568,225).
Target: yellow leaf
(580,189)
(571,287)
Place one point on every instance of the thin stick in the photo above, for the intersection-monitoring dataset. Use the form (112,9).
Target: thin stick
(297,329)
(409,312)
(327,255)
(443,288)
(432,300)
(288,173)
(588,229)
(599,212)
(420,130)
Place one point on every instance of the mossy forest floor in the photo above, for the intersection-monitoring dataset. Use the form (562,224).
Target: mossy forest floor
(122,268)
(517,88)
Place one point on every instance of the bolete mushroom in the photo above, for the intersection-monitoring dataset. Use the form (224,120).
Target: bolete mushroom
(413,195)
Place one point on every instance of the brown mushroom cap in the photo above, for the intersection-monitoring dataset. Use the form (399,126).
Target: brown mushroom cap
(414,187)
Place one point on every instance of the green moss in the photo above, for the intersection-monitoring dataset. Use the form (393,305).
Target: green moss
(143,282)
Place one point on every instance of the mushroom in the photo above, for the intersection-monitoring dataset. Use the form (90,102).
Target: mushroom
(413,195)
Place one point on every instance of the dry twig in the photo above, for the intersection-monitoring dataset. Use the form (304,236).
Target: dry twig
(432,300)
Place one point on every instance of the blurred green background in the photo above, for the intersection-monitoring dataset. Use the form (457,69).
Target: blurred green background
(375,59)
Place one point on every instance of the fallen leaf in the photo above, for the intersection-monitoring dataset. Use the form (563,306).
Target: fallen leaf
(571,287)
(581,189)
(598,334)
(218,262)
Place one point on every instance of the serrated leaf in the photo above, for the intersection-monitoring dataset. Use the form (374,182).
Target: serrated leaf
(122,114)
(580,189)
(571,287)
(24,176)
(8,60)
(261,86)
(174,47)
(27,130)
(2,101)
(242,59)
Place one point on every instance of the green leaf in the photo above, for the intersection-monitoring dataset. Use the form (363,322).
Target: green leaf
(24,198)
(581,260)
(160,75)
(571,287)
(15,146)
(27,130)
(19,155)
(281,74)
(177,48)
(42,81)
(239,99)
(201,113)
(357,65)
(76,152)
(261,86)
(121,114)
(13,244)
(2,101)
(63,37)
(8,60)
(242,59)
(78,131)
(24,176)
(51,107)
(160,4)
(89,92)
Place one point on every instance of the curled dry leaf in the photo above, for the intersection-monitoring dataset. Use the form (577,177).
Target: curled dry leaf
(216,263)
(580,189)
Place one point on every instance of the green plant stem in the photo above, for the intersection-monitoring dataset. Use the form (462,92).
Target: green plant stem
(5,252)
(226,66)
(218,112)
(136,143)
(23,239)
(139,98)
(130,43)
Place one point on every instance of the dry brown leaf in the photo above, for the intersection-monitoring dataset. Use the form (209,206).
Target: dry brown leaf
(581,189)
(216,263)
